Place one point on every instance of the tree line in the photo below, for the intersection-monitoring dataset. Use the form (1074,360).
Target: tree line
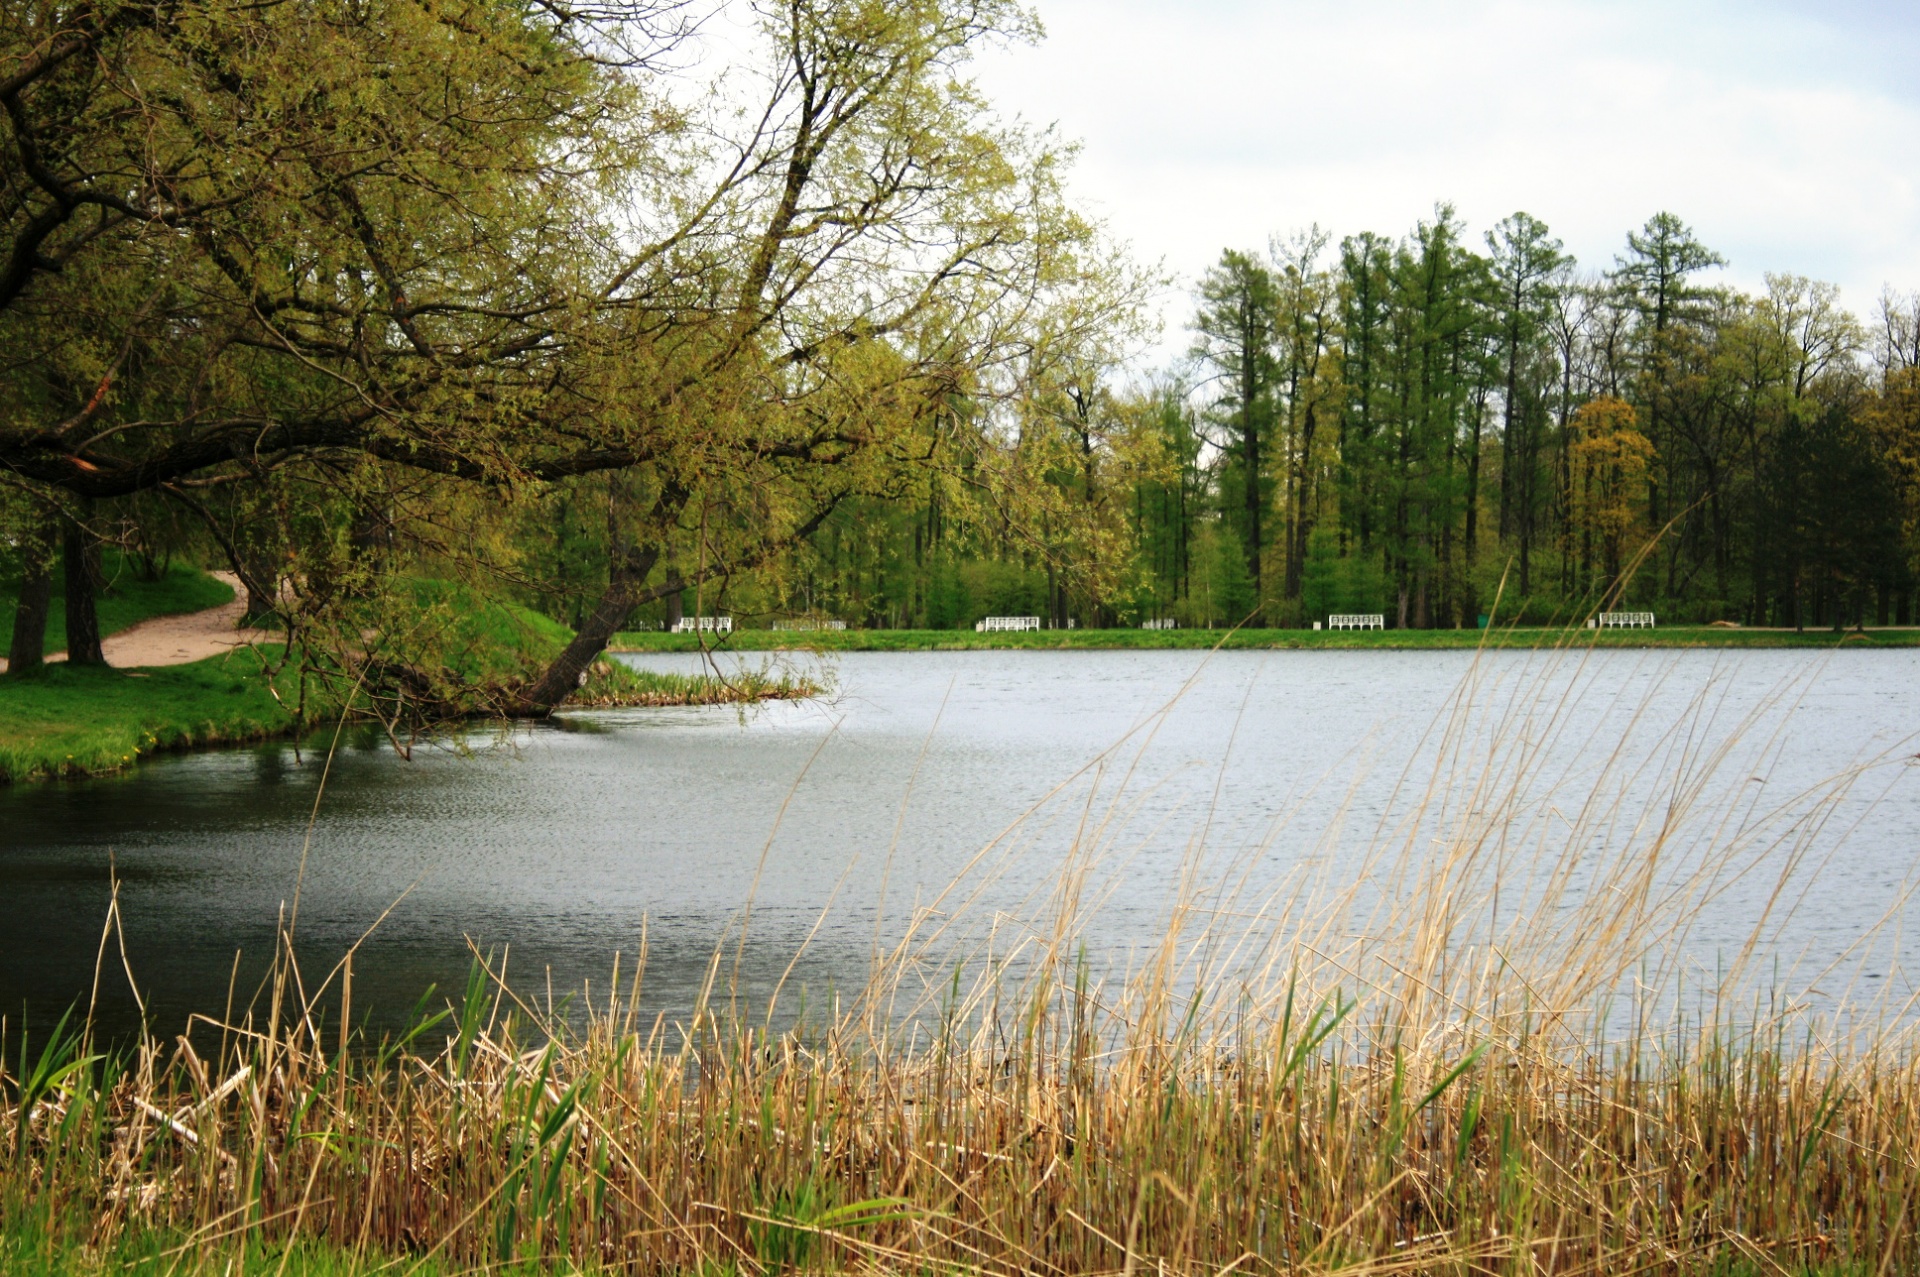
(1439,430)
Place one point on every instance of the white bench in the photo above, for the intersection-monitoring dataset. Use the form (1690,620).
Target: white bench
(995,624)
(1622,621)
(1164,623)
(1357,621)
(713,624)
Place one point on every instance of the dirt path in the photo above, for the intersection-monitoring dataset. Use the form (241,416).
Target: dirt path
(178,640)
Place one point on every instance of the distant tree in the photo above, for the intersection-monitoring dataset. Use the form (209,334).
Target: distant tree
(1658,273)
(1610,458)
(1528,268)
(1236,334)
(1307,390)
(1365,289)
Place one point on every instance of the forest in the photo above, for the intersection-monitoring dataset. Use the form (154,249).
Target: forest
(1439,433)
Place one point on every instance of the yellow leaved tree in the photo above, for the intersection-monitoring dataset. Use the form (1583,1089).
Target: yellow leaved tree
(1608,461)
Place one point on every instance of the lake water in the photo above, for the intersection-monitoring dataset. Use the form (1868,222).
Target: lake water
(1121,774)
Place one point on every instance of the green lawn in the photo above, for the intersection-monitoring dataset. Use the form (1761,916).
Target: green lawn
(60,721)
(1379,640)
(128,602)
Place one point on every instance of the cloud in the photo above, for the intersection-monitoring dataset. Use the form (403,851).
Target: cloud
(1788,136)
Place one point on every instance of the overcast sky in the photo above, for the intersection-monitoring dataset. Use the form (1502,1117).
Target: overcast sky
(1786,133)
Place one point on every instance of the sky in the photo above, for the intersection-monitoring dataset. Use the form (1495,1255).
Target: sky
(1787,134)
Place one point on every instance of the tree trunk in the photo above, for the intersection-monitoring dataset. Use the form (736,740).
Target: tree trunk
(260,607)
(82,579)
(261,581)
(676,601)
(628,564)
(29,647)
(625,588)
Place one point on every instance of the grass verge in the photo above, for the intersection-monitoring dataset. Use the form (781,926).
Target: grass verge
(62,721)
(1675,636)
(66,722)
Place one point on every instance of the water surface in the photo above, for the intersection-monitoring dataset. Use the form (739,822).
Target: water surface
(560,844)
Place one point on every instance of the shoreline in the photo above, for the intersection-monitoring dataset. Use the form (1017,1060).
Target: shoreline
(1532,638)
(58,725)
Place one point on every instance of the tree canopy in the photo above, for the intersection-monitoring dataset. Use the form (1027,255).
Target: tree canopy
(328,266)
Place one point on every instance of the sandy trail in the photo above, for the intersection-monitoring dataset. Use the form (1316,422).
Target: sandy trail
(178,640)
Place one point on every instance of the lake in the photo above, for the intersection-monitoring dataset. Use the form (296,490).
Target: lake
(1113,784)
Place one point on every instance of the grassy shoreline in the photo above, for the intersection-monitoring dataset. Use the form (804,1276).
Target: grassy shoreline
(1543,637)
(65,723)
(59,722)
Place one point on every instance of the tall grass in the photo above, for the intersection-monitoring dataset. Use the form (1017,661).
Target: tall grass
(1474,1044)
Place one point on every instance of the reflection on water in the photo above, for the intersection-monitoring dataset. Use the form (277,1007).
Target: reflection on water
(561,844)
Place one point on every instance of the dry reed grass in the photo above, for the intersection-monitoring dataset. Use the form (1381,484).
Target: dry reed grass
(1468,1046)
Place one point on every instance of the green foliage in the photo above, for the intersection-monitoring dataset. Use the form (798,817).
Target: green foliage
(1233,596)
(1321,589)
(1430,405)
(949,602)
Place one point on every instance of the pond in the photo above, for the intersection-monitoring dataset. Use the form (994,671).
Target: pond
(1113,784)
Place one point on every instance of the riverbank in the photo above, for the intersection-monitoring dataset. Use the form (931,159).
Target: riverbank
(182,675)
(1671,636)
(65,721)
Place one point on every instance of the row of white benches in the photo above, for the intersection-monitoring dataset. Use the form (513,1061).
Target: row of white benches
(1378,621)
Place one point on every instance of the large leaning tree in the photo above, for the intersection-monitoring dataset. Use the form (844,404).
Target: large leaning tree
(736,266)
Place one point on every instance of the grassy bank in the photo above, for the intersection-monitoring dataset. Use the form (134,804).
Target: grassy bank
(71,723)
(484,642)
(62,721)
(127,602)
(1675,636)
